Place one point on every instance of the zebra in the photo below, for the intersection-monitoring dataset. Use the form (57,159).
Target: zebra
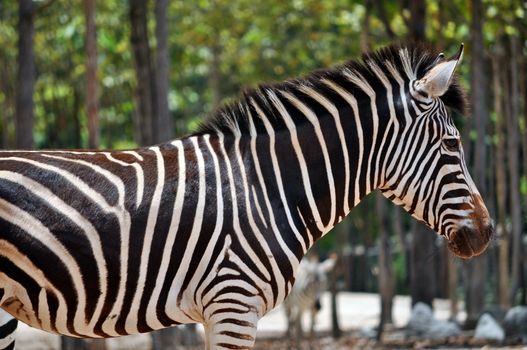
(310,283)
(210,228)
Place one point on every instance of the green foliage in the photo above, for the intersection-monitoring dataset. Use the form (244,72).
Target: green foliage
(257,42)
(8,36)
(400,273)
(253,42)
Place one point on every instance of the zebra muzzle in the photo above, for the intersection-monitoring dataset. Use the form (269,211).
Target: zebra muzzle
(468,242)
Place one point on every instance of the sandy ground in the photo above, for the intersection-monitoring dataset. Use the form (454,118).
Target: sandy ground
(356,311)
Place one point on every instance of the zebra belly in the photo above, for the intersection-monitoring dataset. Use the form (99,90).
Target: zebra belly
(75,260)
(50,312)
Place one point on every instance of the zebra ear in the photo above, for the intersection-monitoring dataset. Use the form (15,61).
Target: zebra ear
(437,80)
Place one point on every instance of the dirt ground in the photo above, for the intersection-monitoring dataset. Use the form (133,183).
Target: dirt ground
(358,313)
(349,342)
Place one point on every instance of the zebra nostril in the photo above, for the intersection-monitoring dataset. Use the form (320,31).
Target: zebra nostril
(467,242)
(490,231)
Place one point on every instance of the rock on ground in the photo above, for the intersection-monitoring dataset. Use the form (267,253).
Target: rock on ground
(130,342)
(515,323)
(423,324)
(29,338)
(440,329)
(488,328)
(420,321)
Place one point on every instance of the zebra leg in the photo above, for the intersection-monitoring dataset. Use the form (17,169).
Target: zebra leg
(298,329)
(289,334)
(313,315)
(231,330)
(7,330)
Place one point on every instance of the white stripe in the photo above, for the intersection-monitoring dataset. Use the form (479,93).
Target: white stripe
(51,151)
(340,131)
(312,117)
(272,140)
(215,234)
(235,214)
(228,271)
(43,310)
(202,313)
(352,101)
(114,179)
(139,174)
(303,169)
(268,294)
(155,204)
(175,290)
(151,317)
(293,261)
(193,288)
(256,202)
(90,231)
(380,180)
(135,154)
(11,287)
(404,134)
(42,234)
(363,84)
(121,214)
(407,63)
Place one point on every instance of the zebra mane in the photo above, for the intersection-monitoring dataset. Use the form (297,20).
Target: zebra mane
(410,62)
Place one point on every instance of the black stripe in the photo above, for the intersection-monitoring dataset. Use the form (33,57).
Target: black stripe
(8,328)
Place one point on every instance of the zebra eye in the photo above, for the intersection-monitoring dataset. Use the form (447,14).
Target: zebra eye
(451,144)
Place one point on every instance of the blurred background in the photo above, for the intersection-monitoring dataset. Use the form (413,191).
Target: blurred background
(120,74)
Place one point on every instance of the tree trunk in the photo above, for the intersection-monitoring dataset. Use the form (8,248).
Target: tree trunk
(25,76)
(91,74)
(447,274)
(452,284)
(478,98)
(513,157)
(476,268)
(341,234)
(500,170)
(215,75)
(77,105)
(475,273)
(336,332)
(386,275)
(146,110)
(403,242)
(164,126)
(70,343)
(365,33)
(522,64)
(5,117)
(380,5)
(417,22)
(96,344)
(422,286)
(442,7)
(164,339)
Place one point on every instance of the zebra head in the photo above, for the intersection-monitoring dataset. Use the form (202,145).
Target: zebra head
(430,178)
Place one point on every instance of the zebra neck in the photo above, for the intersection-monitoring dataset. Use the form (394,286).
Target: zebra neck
(313,172)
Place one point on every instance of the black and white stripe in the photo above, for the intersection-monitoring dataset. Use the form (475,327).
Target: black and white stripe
(211,228)
(305,297)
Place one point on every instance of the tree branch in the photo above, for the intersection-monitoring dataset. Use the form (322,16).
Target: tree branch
(384,19)
(44,6)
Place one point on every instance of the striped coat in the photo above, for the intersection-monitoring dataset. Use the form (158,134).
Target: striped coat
(211,228)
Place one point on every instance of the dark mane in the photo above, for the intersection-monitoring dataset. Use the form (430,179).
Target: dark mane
(235,115)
